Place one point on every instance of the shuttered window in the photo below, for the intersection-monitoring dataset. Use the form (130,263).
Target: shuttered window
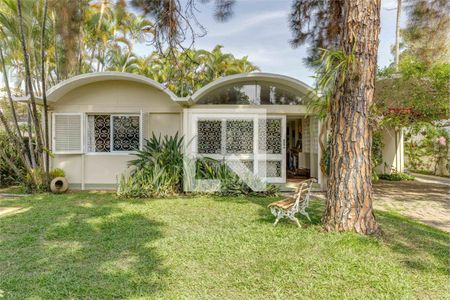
(67,133)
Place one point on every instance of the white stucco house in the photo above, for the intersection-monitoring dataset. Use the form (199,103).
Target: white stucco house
(100,119)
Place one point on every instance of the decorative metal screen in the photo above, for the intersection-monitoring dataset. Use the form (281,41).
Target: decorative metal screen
(270,136)
(125,133)
(247,163)
(249,138)
(272,168)
(100,133)
(209,137)
(109,133)
(239,136)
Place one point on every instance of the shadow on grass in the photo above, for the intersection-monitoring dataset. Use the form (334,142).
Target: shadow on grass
(409,238)
(77,247)
(315,209)
(413,239)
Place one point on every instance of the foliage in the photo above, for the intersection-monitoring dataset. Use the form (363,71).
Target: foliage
(331,69)
(185,72)
(157,171)
(316,23)
(7,175)
(396,176)
(159,168)
(230,182)
(377,152)
(428,142)
(57,172)
(44,42)
(146,183)
(418,93)
(426,33)
(208,246)
(175,22)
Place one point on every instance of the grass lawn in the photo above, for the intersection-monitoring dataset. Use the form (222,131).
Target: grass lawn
(92,245)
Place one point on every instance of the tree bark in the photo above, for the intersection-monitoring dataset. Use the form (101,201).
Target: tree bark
(349,193)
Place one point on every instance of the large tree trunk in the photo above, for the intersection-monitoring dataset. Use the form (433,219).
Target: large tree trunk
(349,194)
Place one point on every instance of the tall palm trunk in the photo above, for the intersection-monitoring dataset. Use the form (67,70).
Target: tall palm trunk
(19,137)
(397,34)
(349,193)
(44,96)
(29,84)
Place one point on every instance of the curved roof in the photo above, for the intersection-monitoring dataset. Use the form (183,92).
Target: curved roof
(62,88)
(245,77)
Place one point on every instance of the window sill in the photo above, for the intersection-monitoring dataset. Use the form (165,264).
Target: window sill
(110,153)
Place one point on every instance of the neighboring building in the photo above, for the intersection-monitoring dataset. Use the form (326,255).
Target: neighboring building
(99,119)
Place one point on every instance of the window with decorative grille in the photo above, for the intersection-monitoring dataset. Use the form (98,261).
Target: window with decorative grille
(113,133)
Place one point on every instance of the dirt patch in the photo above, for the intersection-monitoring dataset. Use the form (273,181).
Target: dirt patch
(425,199)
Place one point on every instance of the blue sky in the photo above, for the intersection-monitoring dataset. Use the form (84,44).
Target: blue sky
(259,29)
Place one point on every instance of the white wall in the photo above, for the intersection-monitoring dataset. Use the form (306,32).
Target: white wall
(101,170)
(393,151)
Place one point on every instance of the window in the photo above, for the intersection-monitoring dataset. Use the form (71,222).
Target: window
(113,133)
(254,93)
(257,141)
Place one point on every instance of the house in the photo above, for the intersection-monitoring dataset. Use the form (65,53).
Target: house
(100,119)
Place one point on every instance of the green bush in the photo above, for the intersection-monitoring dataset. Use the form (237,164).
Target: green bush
(158,172)
(7,175)
(230,182)
(396,176)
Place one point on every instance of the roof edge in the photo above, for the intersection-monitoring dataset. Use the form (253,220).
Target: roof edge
(277,78)
(62,88)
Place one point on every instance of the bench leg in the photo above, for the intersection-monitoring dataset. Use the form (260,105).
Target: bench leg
(276,221)
(306,215)
(297,222)
(293,218)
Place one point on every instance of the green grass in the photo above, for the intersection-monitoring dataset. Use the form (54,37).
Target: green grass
(92,245)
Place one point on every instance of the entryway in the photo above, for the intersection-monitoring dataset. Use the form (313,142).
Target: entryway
(301,152)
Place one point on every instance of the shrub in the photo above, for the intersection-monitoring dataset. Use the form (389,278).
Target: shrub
(7,175)
(158,172)
(396,176)
(230,182)
(57,173)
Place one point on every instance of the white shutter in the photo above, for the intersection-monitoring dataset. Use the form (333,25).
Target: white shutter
(67,133)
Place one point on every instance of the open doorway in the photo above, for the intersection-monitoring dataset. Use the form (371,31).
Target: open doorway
(298,149)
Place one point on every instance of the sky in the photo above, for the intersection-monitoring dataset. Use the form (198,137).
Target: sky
(259,29)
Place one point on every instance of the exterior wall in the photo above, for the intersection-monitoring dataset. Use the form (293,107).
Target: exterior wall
(164,124)
(102,170)
(393,151)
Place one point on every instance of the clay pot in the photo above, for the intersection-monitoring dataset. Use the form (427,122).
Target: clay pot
(59,185)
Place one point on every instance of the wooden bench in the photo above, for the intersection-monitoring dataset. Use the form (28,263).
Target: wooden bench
(287,208)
